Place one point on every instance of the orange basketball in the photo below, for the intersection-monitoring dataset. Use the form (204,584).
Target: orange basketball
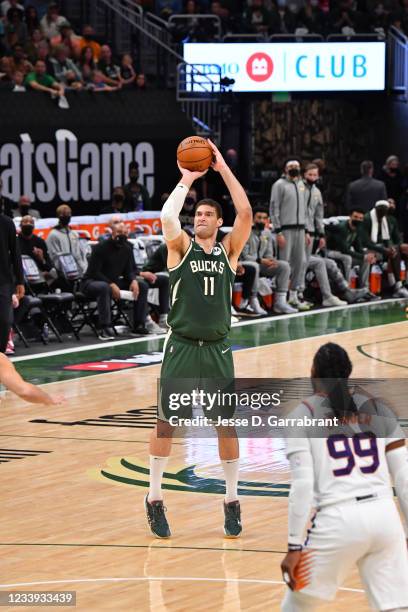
(195,154)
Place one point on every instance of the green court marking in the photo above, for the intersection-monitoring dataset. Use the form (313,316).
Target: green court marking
(363,352)
(150,546)
(265,332)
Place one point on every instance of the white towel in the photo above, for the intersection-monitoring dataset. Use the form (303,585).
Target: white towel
(385,232)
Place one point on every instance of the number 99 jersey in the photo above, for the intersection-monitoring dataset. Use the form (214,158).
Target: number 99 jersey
(349,461)
(200,294)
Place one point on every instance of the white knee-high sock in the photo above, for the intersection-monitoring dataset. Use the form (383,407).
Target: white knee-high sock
(157,467)
(231,467)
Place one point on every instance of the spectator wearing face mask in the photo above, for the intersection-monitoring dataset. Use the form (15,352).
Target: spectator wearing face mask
(117,203)
(24,208)
(345,244)
(258,18)
(284,18)
(35,247)
(312,18)
(381,235)
(112,268)
(391,175)
(259,250)
(366,190)
(136,195)
(288,216)
(62,239)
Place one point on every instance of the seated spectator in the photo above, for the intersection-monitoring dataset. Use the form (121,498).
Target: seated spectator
(258,18)
(86,59)
(6,205)
(117,202)
(35,247)
(312,18)
(18,82)
(141,82)
(345,19)
(345,244)
(8,4)
(109,69)
(114,220)
(43,53)
(136,195)
(6,70)
(41,81)
(381,235)
(65,70)
(363,192)
(112,268)
(51,21)
(69,39)
(19,60)
(24,208)
(31,48)
(88,39)
(15,28)
(283,20)
(62,239)
(98,82)
(260,249)
(153,273)
(127,72)
(31,19)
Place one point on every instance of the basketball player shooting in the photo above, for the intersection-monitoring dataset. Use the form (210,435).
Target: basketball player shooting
(201,273)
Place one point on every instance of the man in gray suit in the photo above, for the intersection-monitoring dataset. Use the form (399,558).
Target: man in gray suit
(366,191)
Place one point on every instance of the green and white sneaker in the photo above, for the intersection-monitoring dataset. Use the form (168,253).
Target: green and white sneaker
(156,518)
(232,522)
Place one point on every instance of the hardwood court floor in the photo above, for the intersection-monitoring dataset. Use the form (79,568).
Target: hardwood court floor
(71,504)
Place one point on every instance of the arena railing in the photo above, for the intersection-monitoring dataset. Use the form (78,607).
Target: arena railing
(296,38)
(398,63)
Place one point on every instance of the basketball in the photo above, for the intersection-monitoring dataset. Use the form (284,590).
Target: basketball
(195,154)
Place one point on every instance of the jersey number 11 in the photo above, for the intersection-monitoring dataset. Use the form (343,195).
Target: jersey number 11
(209,285)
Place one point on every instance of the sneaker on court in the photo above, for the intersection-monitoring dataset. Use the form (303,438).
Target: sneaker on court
(300,306)
(401,292)
(283,308)
(106,333)
(256,307)
(232,522)
(156,518)
(153,328)
(333,300)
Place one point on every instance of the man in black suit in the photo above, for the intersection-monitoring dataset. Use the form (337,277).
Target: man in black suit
(366,191)
(6,205)
(11,276)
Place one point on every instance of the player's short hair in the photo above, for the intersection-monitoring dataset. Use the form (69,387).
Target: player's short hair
(260,209)
(357,209)
(212,203)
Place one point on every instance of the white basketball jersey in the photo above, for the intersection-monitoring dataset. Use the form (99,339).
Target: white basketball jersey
(350,464)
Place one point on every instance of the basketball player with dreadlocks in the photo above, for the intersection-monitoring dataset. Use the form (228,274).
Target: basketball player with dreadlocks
(347,478)
(201,273)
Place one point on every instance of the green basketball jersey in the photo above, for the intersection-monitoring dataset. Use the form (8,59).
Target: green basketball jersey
(200,294)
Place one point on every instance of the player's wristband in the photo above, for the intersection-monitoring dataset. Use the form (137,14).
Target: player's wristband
(294,547)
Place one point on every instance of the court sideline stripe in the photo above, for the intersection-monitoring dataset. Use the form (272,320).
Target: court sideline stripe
(158,579)
(91,347)
(242,350)
(150,547)
(360,348)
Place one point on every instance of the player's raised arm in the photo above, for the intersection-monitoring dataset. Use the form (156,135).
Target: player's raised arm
(234,241)
(11,379)
(176,239)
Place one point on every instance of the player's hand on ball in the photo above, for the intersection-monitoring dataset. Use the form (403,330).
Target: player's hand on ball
(190,176)
(219,162)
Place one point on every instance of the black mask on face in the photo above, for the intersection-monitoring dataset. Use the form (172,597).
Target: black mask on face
(311,183)
(24,209)
(133,178)
(391,210)
(27,230)
(293,172)
(381,212)
(259,226)
(120,240)
(64,220)
(356,223)
(118,198)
